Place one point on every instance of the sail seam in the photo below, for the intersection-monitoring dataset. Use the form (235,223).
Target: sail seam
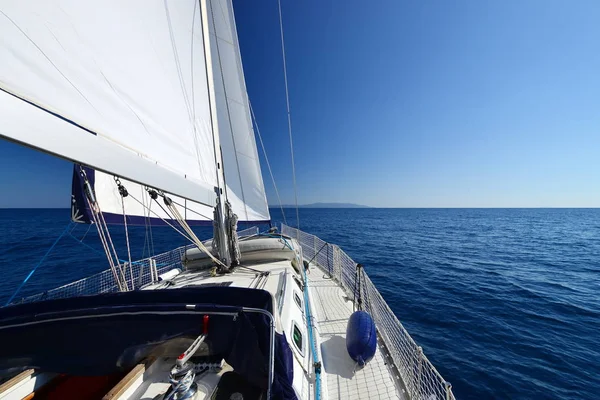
(49,60)
(177,62)
(53,113)
(186,100)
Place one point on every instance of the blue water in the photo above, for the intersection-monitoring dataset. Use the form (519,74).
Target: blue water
(505,302)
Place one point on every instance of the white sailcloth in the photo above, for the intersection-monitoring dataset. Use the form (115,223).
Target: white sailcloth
(245,189)
(139,207)
(120,86)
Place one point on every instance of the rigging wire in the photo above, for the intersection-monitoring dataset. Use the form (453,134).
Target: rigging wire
(123,192)
(101,226)
(146,243)
(191,236)
(190,210)
(150,229)
(86,232)
(164,220)
(289,116)
(100,252)
(104,234)
(66,230)
(127,240)
(267,160)
(149,238)
(183,223)
(104,226)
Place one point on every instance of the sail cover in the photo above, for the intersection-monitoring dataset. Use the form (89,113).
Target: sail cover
(245,189)
(120,87)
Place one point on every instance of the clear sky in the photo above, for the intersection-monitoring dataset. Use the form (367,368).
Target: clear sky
(409,104)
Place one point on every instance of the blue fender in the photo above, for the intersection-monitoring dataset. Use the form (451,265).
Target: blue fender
(361,337)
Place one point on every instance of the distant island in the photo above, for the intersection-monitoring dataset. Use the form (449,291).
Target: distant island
(321,205)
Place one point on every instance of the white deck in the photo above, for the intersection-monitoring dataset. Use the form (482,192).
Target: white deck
(332,310)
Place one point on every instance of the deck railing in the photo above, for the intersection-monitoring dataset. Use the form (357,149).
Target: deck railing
(420,378)
(139,274)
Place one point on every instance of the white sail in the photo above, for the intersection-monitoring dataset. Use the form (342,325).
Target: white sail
(245,189)
(139,207)
(120,86)
(245,186)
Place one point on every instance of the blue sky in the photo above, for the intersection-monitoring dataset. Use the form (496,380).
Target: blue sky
(409,104)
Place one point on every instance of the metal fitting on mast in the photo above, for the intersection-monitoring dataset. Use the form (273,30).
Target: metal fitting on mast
(220,239)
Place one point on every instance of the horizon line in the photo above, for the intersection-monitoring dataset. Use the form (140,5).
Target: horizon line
(365,207)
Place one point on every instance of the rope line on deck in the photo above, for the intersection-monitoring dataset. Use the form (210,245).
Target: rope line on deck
(309,324)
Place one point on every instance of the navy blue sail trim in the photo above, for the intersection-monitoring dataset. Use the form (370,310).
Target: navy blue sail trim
(67,120)
(117,219)
(80,210)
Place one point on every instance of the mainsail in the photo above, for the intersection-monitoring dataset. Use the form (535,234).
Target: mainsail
(123,88)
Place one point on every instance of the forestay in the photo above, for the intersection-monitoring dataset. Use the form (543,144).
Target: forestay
(118,86)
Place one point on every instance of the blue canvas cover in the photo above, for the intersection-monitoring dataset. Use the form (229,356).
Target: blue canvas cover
(103,334)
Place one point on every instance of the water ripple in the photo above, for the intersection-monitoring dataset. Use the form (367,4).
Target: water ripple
(504,302)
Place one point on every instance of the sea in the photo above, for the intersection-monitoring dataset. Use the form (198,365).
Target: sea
(504,302)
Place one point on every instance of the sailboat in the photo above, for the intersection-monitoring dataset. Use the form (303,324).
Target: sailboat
(148,100)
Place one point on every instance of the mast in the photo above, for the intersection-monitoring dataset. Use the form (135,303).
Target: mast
(221,189)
